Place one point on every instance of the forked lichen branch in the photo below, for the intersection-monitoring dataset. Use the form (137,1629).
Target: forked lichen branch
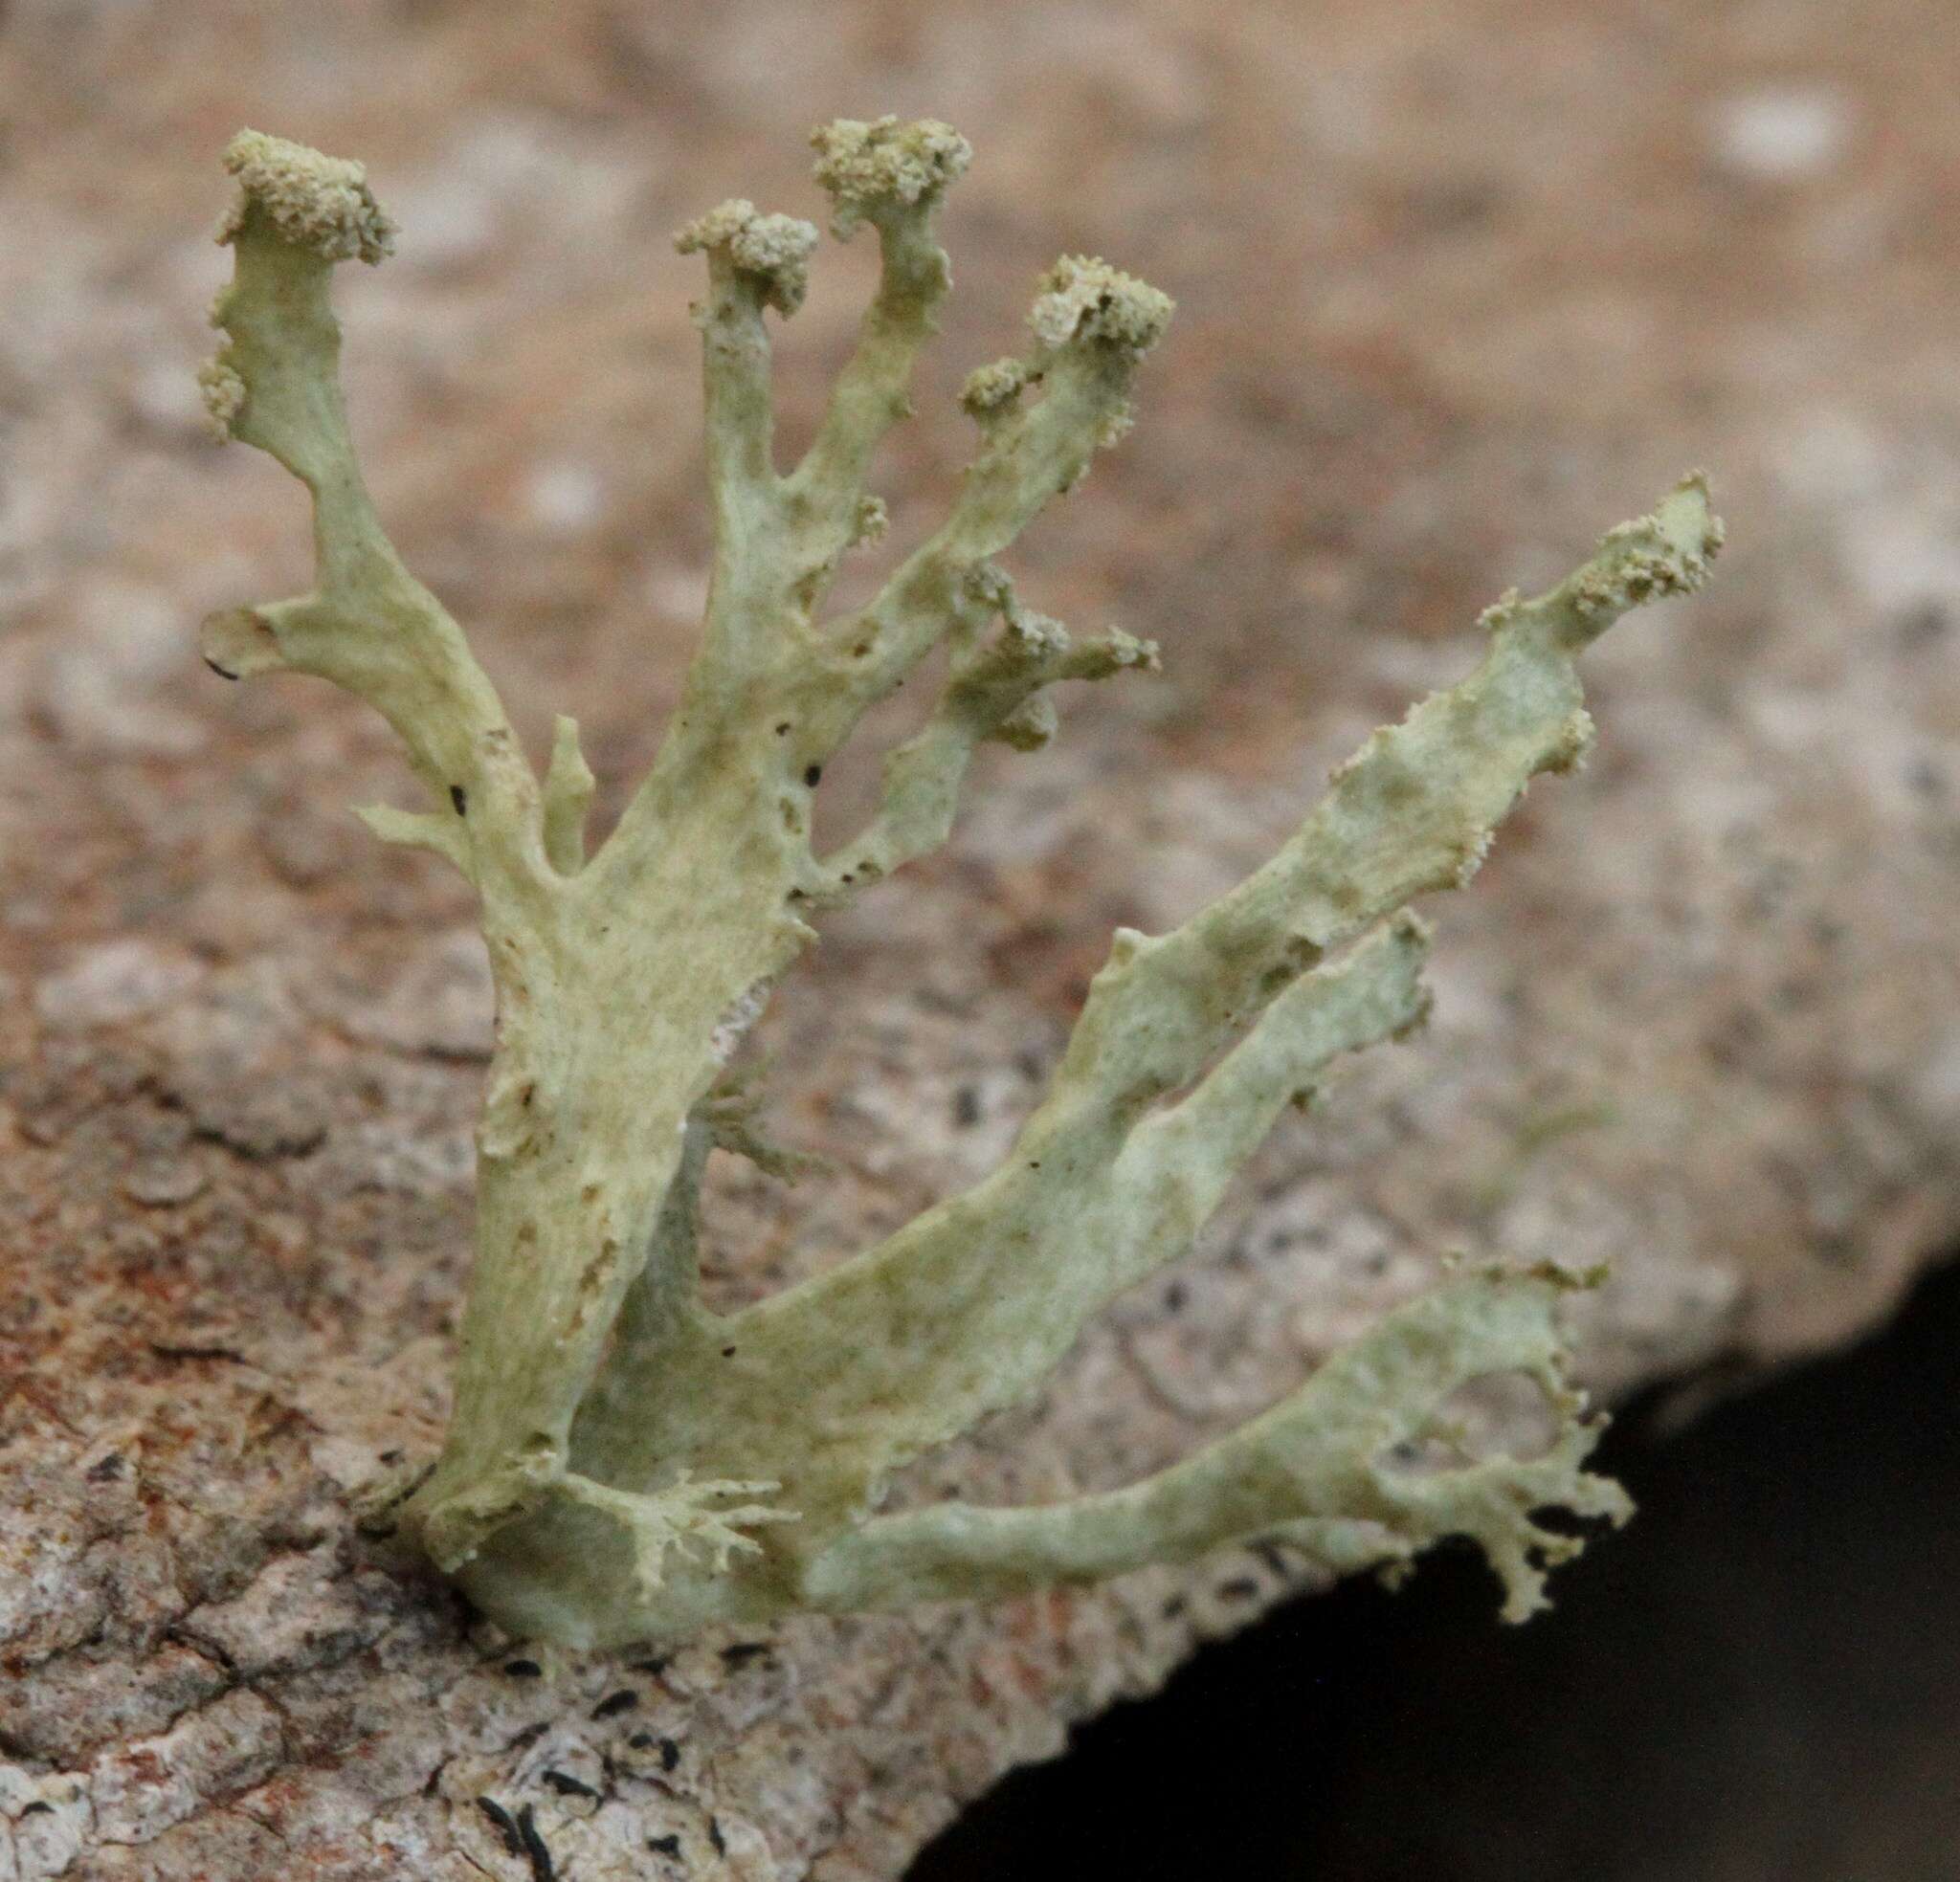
(623,1463)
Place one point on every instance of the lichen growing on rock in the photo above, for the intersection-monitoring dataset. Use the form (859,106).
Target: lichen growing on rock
(624,1464)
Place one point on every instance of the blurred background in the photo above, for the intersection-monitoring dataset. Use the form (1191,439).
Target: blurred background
(1458,283)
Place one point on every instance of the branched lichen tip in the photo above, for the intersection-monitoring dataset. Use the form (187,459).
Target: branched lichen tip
(772,250)
(1084,297)
(1667,553)
(312,200)
(871,168)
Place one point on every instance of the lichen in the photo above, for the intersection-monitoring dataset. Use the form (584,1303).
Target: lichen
(621,1462)
(1082,298)
(772,250)
(223,393)
(990,388)
(315,202)
(884,168)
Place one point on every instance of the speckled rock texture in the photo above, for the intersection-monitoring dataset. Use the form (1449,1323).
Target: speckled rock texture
(1458,285)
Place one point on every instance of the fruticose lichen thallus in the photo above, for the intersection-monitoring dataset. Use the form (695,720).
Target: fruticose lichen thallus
(624,1464)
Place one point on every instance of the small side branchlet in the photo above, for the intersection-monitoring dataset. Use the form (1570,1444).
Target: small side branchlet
(623,1463)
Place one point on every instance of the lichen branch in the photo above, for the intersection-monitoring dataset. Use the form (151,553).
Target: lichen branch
(367,624)
(754,261)
(1321,1468)
(965,1310)
(1012,1267)
(684,1516)
(420,829)
(892,176)
(569,786)
(993,690)
(1043,417)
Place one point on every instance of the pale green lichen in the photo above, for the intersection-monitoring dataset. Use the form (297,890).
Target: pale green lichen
(223,393)
(989,389)
(621,1462)
(315,202)
(771,251)
(881,170)
(1082,298)
(872,521)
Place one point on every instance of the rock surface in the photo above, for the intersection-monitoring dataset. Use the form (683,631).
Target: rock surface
(1458,286)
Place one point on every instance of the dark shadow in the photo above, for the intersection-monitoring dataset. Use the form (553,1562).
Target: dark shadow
(1760,1678)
